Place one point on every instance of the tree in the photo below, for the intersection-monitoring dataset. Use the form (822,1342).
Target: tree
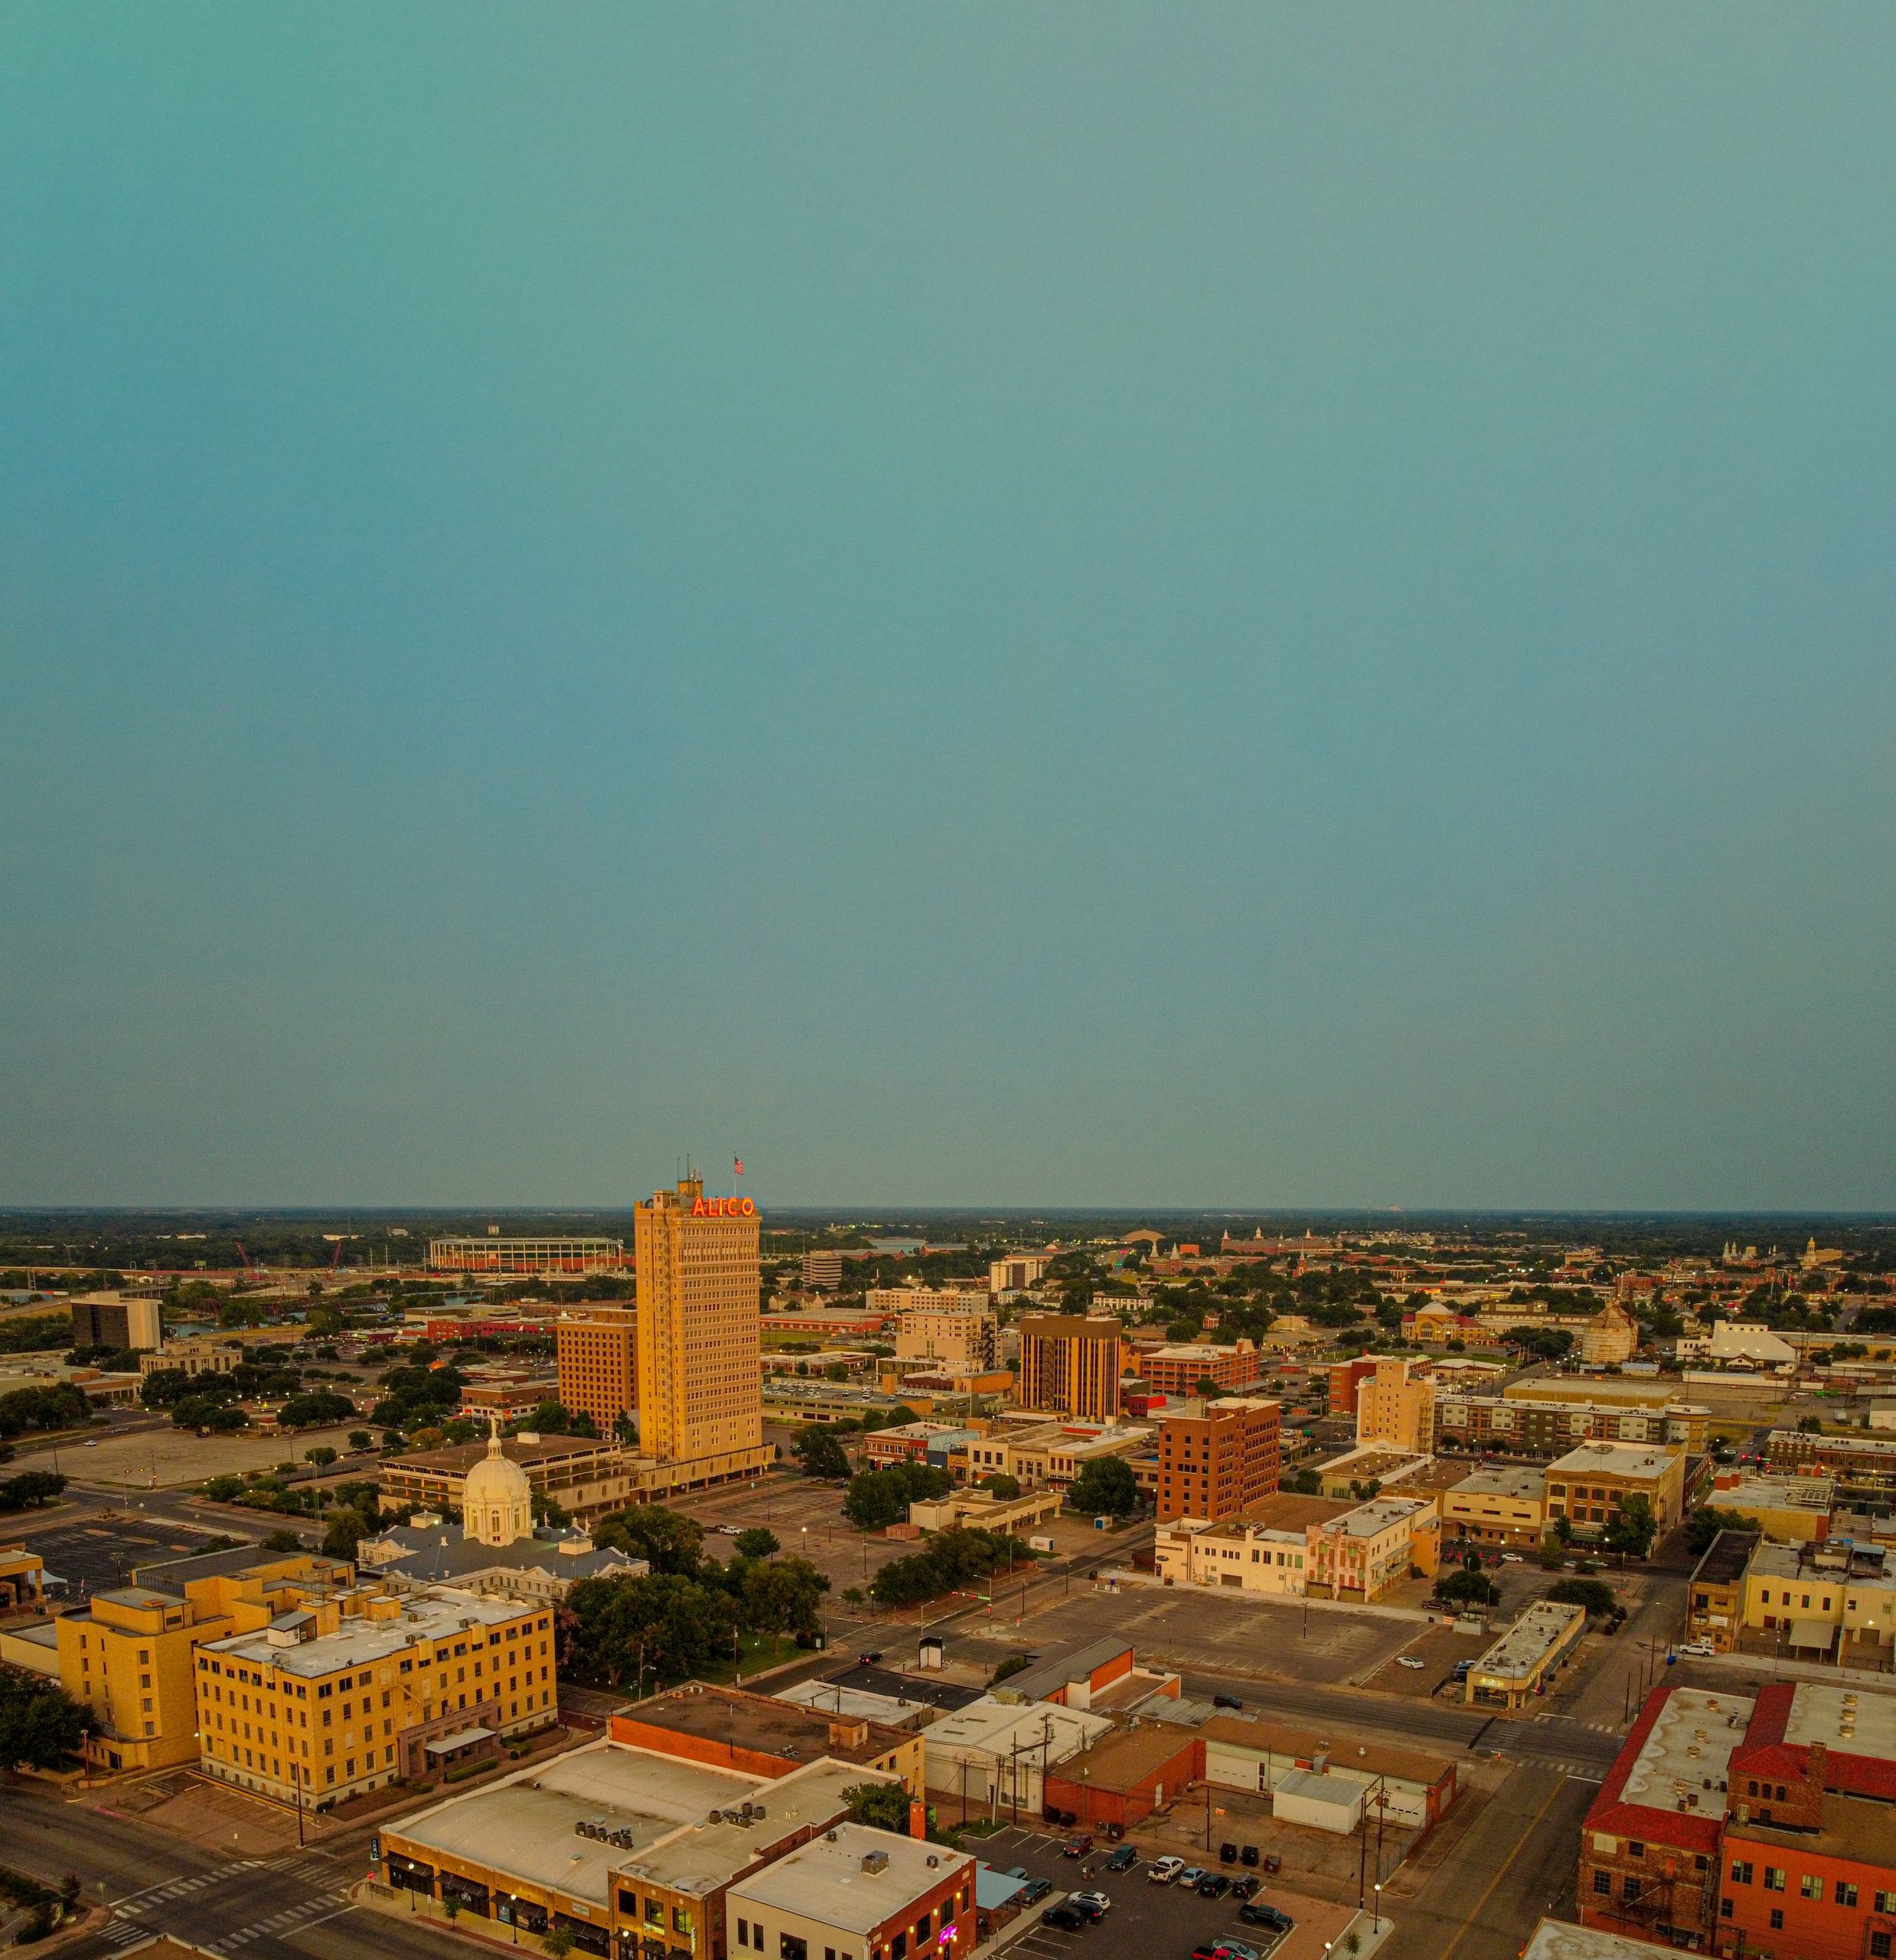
(1631,1533)
(1704,1525)
(878,1498)
(359,1440)
(817,1450)
(669,1541)
(1473,1589)
(780,1596)
(40,1724)
(322,1456)
(558,1942)
(1003,1487)
(1106,1488)
(348,1527)
(30,1489)
(1595,1594)
(1304,1483)
(756,1543)
(881,1806)
(1564,1529)
(314,1407)
(283,1541)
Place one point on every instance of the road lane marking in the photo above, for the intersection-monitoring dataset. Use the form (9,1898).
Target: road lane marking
(1468,1924)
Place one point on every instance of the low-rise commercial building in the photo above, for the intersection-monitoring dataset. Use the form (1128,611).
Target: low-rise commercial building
(1715,1596)
(1791,1510)
(194,1355)
(1547,1424)
(1371,1550)
(1504,1505)
(1836,1597)
(1518,1666)
(1861,1462)
(853,1892)
(1649,1849)
(1590,1486)
(630,1851)
(765,1736)
(1409,1789)
(586,1477)
(992,1757)
(1017,1516)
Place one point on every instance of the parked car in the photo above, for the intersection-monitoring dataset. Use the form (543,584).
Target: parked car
(1066,1916)
(1274,1863)
(1213,1885)
(1235,1949)
(1227,1701)
(1461,1670)
(1164,1871)
(1242,1888)
(1699,1650)
(871,1657)
(1255,1912)
(1122,1860)
(1037,1889)
(1206,1949)
(1189,1876)
(1409,1660)
(1095,1905)
(1076,1848)
(1015,1871)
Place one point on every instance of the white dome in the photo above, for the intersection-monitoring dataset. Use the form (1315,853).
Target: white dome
(497,1501)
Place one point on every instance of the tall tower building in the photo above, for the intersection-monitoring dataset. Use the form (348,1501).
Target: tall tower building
(1071,1363)
(700,1378)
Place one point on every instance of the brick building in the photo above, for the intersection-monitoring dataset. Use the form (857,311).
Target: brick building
(1071,1363)
(1213,1465)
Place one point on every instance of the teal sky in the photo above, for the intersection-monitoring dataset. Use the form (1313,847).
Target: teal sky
(1021,604)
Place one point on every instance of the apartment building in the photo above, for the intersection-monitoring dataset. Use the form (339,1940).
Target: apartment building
(351,1693)
(1590,1485)
(1071,1363)
(1861,1462)
(1180,1369)
(1217,1463)
(1017,1272)
(1546,1426)
(957,1330)
(822,1272)
(1396,1405)
(597,1348)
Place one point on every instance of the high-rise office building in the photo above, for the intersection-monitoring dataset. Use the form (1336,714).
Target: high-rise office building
(597,1349)
(108,1320)
(1396,1405)
(1071,1363)
(700,1379)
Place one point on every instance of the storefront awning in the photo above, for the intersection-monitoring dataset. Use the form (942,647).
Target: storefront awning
(1819,1634)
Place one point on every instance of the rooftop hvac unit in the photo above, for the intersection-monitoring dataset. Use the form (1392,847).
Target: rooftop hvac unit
(874,1861)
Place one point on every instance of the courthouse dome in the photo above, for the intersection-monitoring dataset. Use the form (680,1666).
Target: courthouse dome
(497,1501)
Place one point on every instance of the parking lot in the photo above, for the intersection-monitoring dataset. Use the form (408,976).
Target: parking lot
(99,1553)
(1147,1922)
(1197,1633)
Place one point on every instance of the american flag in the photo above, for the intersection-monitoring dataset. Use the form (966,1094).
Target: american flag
(737,1164)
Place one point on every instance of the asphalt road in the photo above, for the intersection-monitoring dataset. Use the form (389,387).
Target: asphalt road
(155,1882)
(1514,1867)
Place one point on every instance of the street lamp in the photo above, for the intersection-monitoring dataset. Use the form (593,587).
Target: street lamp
(1377,1909)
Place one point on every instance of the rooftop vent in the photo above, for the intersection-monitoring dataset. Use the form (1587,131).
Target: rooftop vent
(874,1861)
(829,1837)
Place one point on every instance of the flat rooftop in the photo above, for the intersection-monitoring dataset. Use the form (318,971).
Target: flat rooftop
(760,1722)
(1555,1939)
(824,1880)
(1529,1640)
(997,1727)
(360,1640)
(1634,1461)
(1686,1751)
(860,1704)
(457,1459)
(1505,1480)
(1821,1713)
(1812,1494)
(1368,1520)
(524,1827)
(1049,1676)
(1726,1558)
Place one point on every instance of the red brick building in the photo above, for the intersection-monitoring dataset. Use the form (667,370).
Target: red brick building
(1213,1466)
(1177,1369)
(1762,1828)
(1809,1870)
